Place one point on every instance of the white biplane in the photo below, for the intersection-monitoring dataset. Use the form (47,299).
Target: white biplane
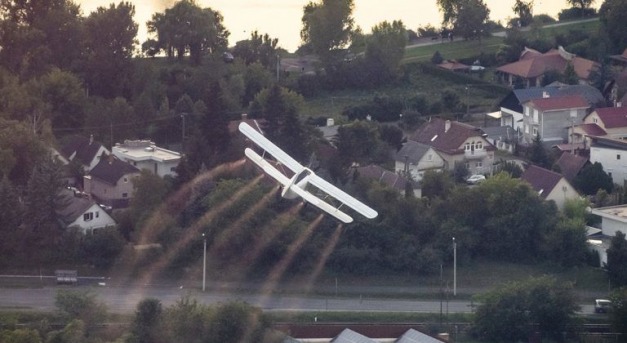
(297,184)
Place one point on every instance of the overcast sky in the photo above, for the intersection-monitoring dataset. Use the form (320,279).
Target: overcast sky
(282,18)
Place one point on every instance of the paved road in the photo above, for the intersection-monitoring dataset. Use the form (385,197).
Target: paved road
(124,300)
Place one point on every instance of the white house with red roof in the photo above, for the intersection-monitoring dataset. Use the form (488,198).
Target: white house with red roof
(550,117)
(551,186)
(532,65)
(457,143)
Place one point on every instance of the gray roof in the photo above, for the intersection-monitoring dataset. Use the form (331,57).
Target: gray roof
(414,336)
(501,132)
(350,336)
(110,169)
(72,206)
(413,150)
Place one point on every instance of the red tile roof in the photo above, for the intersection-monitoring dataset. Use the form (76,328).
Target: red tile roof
(434,134)
(559,103)
(592,129)
(532,64)
(541,180)
(570,165)
(613,117)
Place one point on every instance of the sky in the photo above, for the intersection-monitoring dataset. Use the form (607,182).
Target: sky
(282,18)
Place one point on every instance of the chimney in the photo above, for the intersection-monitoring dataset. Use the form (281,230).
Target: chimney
(447,125)
(545,94)
(330,122)
(244,116)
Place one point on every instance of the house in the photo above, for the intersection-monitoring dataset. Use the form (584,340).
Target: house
(549,117)
(145,155)
(416,158)
(532,65)
(110,182)
(82,212)
(83,150)
(390,179)
(457,143)
(570,165)
(608,122)
(613,219)
(550,185)
(612,154)
(503,138)
(511,110)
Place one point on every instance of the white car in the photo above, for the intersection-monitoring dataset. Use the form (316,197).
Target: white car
(475,179)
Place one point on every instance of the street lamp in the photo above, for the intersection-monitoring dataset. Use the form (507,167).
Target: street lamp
(204,261)
(454,267)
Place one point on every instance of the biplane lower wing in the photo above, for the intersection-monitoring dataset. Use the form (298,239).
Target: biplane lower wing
(297,185)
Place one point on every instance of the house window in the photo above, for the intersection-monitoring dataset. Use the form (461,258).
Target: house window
(478,164)
(88,216)
(467,146)
(125,180)
(479,145)
(594,120)
(535,116)
(430,157)
(535,131)
(618,156)
(527,111)
(124,195)
(97,214)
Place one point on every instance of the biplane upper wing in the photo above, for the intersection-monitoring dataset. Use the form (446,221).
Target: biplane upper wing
(342,196)
(267,167)
(270,148)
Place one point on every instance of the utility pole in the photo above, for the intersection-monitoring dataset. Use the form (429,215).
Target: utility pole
(454,267)
(204,261)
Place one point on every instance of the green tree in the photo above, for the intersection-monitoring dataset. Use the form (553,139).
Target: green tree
(185,27)
(538,154)
(618,315)
(111,41)
(612,16)
(466,17)
(43,201)
(524,10)
(259,48)
(385,49)
(357,143)
(616,259)
(592,178)
(507,313)
(150,191)
(64,98)
(39,34)
(569,76)
(147,324)
(80,305)
(581,4)
(102,248)
(436,184)
(10,219)
(20,336)
(327,27)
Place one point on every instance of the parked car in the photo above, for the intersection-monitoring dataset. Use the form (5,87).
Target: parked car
(475,179)
(602,305)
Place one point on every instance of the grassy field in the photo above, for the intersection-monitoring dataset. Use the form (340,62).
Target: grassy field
(453,50)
